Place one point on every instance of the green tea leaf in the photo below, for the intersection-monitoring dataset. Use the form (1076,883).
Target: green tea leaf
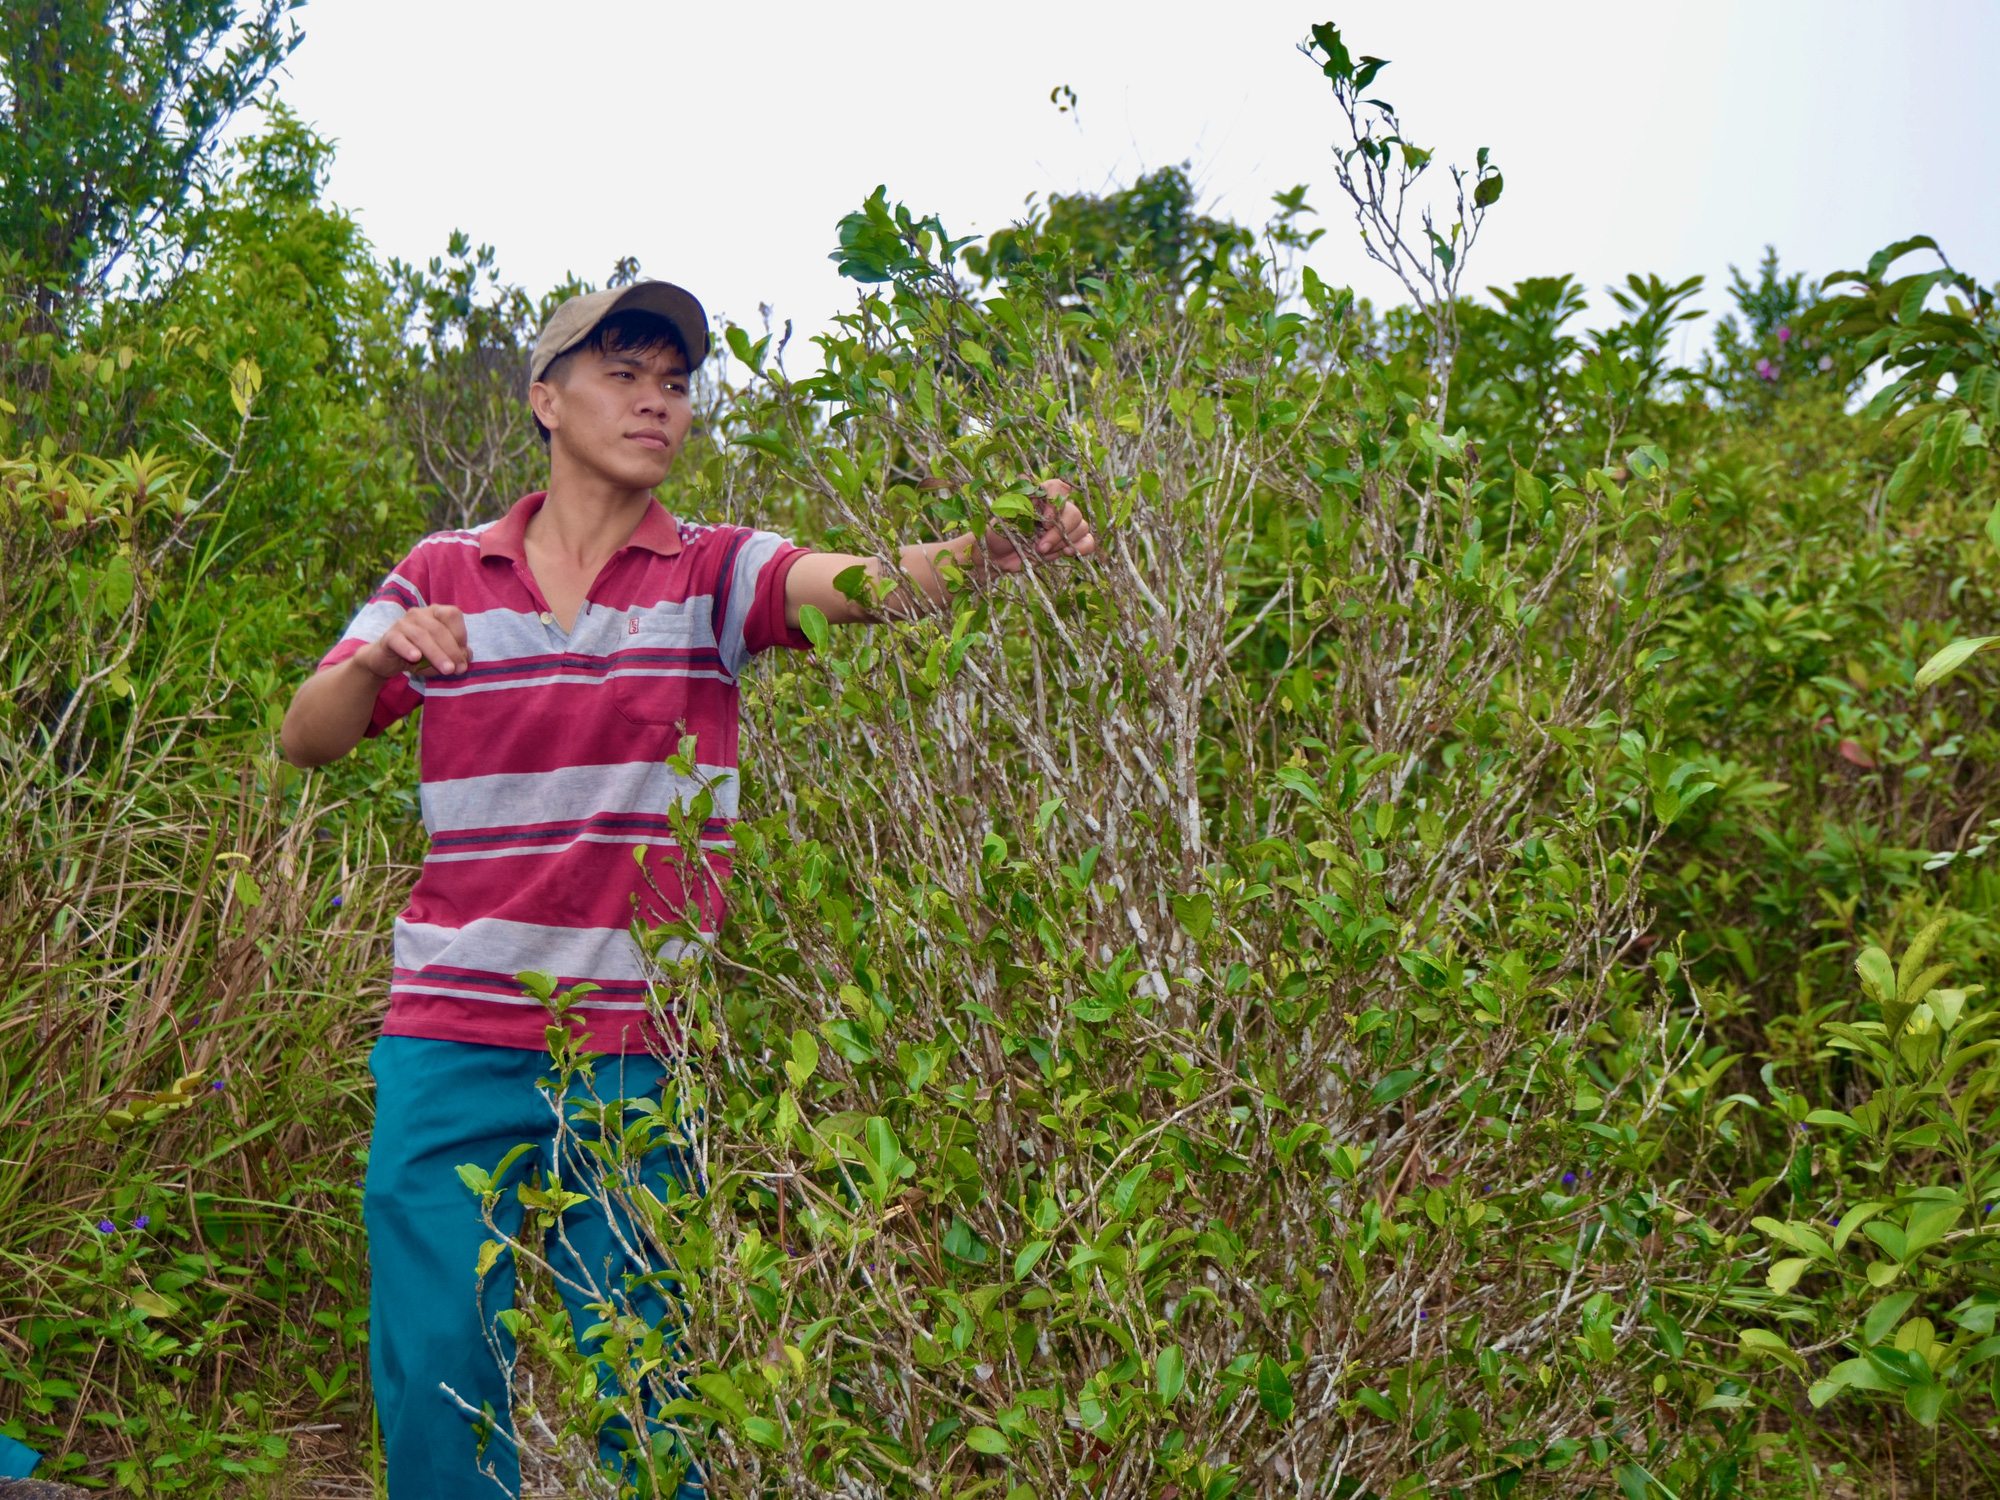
(1785,1274)
(813,625)
(1274,1390)
(1170,1373)
(1196,914)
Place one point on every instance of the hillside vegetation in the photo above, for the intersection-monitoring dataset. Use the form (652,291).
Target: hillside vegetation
(1452,960)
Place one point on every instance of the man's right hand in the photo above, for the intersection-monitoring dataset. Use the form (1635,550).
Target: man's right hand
(429,641)
(331,712)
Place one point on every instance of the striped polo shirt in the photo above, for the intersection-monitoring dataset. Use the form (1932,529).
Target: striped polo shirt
(543,766)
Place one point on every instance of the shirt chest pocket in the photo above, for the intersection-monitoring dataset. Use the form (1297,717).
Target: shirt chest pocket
(651,670)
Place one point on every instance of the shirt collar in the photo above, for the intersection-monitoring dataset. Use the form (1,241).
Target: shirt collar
(657,530)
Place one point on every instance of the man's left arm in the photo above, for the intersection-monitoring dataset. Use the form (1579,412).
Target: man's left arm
(1064,532)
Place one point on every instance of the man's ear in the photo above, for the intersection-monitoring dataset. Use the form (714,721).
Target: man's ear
(543,403)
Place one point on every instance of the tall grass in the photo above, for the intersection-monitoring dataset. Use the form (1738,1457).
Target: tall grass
(192,961)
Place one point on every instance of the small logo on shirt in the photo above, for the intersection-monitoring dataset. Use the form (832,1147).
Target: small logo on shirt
(632,626)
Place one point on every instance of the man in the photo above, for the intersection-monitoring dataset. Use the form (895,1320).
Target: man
(560,655)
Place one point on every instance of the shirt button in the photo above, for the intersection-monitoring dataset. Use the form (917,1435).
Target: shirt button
(547,618)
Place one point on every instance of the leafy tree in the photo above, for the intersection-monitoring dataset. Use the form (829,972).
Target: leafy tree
(1151,225)
(110,114)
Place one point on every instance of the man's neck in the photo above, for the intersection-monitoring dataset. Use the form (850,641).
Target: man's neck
(585,518)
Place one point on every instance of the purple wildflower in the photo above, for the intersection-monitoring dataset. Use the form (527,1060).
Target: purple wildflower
(336,901)
(1766,370)
(1784,335)
(142,1221)
(105,1226)
(1569,1179)
(1826,362)
(216,1086)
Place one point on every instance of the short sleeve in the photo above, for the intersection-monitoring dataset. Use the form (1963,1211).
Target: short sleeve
(401,592)
(750,602)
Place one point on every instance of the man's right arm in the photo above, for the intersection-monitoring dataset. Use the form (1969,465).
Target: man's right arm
(332,708)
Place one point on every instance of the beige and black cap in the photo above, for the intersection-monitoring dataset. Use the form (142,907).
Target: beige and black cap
(571,322)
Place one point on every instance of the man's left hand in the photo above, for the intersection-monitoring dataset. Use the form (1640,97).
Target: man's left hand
(1063,531)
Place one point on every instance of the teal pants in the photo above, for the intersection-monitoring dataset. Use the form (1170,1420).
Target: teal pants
(439,1105)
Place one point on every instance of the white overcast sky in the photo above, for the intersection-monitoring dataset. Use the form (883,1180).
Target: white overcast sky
(720,143)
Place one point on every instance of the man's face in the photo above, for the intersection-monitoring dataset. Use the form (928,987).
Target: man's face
(620,415)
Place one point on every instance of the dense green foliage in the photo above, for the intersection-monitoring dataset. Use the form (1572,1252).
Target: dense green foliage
(110,111)
(1448,961)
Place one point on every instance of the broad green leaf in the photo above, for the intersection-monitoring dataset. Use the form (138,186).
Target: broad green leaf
(1951,659)
(1852,1220)
(1673,1338)
(1928,1224)
(1170,1373)
(1889,1237)
(245,380)
(852,582)
(1195,913)
(813,624)
(985,1440)
(541,986)
(1849,1374)
(720,1389)
(1274,1390)
(1785,1274)
(1391,1088)
(1925,1403)
(246,889)
(1772,1346)
(1784,1234)
(804,1060)
(476,1178)
(1878,974)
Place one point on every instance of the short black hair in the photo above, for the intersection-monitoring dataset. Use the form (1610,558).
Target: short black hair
(632,331)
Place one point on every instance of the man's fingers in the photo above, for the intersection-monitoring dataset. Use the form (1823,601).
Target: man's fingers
(1067,532)
(439,633)
(436,645)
